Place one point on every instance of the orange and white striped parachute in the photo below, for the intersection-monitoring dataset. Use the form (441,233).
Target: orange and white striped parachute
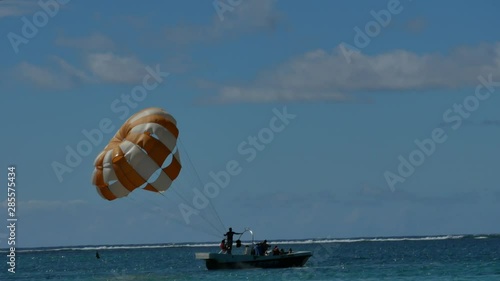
(144,146)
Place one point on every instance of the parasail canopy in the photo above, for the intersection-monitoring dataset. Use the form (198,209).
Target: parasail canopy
(142,154)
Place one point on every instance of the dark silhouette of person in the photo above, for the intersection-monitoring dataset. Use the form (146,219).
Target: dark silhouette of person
(223,246)
(97,255)
(276,251)
(264,247)
(229,236)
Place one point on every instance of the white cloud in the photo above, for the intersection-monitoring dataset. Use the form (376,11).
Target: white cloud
(323,75)
(109,67)
(95,41)
(249,16)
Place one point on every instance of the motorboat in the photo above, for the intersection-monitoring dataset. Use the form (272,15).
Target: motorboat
(248,258)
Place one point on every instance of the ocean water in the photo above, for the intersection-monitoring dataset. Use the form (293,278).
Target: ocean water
(413,258)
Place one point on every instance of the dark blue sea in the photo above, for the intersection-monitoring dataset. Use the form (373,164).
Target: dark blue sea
(453,257)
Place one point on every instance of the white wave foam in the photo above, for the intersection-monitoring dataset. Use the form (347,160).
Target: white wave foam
(283,242)
(354,240)
(124,247)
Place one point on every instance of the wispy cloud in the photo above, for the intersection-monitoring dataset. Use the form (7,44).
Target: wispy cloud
(261,95)
(72,71)
(112,68)
(322,75)
(249,16)
(93,42)
(97,68)
(61,76)
(41,76)
(14,8)
(416,25)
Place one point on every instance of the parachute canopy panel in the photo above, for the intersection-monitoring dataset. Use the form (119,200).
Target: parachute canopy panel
(135,156)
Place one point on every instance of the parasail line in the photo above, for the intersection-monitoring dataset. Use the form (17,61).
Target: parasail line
(172,218)
(201,183)
(201,213)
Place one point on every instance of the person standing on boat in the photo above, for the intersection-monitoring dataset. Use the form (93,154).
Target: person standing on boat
(229,236)
(264,247)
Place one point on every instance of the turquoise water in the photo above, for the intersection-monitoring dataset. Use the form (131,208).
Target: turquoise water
(417,258)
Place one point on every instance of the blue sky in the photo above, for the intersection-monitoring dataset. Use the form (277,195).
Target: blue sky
(231,66)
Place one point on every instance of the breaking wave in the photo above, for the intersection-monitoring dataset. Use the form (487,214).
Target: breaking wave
(283,242)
